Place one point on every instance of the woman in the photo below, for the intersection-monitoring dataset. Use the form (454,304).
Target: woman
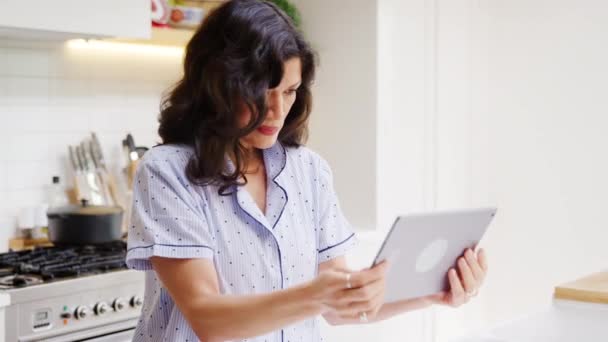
(236,223)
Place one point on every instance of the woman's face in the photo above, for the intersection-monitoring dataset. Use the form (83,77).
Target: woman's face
(278,101)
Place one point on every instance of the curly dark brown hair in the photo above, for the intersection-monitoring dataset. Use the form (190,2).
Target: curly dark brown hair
(235,56)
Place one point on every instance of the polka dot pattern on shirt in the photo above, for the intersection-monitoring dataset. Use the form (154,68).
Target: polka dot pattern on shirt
(253,252)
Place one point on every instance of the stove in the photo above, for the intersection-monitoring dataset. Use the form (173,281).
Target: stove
(68,293)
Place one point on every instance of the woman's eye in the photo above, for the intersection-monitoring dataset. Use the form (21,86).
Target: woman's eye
(291,92)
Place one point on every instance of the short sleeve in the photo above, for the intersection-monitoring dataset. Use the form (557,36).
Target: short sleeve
(167,219)
(335,234)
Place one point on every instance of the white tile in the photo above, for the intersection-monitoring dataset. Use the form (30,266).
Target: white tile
(123,120)
(24,62)
(3,183)
(109,93)
(57,145)
(71,119)
(145,94)
(25,90)
(140,67)
(63,63)
(147,111)
(18,199)
(51,98)
(24,118)
(69,92)
(147,137)
(25,147)
(7,231)
(33,175)
(108,67)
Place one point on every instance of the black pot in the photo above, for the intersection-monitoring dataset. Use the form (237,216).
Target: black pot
(84,224)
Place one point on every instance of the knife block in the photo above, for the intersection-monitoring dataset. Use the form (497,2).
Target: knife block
(131,169)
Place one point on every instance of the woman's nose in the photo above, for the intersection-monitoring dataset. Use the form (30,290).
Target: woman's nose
(275,105)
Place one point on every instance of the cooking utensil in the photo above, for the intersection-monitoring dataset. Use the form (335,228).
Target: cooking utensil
(140,150)
(96,193)
(100,173)
(132,149)
(132,159)
(107,176)
(84,224)
(80,185)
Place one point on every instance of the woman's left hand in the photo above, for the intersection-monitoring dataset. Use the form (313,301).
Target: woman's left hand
(464,283)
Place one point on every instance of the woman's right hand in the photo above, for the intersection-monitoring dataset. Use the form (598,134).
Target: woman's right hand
(347,295)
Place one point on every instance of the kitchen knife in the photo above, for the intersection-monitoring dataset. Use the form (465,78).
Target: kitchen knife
(82,188)
(78,190)
(105,174)
(99,172)
(90,176)
(132,149)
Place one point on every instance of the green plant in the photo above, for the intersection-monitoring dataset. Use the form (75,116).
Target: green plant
(290,9)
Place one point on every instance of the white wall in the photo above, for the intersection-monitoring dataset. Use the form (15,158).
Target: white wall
(369,121)
(52,95)
(521,124)
(405,109)
(498,103)
(547,160)
(343,122)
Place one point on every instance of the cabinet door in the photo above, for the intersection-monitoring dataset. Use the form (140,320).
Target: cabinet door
(62,19)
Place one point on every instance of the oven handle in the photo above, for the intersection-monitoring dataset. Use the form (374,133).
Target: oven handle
(116,332)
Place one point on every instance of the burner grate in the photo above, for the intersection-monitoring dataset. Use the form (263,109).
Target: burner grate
(24,268)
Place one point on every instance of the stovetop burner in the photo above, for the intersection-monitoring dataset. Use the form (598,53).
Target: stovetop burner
(31,267)
(19,280)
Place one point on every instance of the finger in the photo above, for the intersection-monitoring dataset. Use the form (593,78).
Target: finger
(469,282)
(355,317)
(356,308)
(483,259)
(371,307)
(456,289)
(360,294)
(478,273)
(336,280)
(370,275)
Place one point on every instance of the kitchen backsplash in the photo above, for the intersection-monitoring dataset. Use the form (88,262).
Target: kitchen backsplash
(53,95)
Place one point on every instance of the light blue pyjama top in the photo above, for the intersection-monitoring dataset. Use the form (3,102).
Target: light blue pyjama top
(253,253)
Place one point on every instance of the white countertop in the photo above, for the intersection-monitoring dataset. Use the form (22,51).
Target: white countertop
(563,321)
(5,300)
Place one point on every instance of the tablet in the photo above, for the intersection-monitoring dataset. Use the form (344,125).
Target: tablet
(421,248)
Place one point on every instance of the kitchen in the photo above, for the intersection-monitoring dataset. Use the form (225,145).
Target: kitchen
(448,85)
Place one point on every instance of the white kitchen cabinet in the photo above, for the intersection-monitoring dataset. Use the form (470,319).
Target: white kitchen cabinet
(4,301)
(65,19)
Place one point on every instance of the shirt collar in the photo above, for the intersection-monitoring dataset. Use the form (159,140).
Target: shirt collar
(275,160)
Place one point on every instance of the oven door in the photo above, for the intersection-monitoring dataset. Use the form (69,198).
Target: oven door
(116,332)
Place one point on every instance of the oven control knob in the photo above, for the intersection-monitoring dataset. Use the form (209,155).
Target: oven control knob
(136,301)
(118,304)
(101,308)
(81,312)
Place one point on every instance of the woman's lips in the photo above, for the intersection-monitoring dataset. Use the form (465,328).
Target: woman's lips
(268,130)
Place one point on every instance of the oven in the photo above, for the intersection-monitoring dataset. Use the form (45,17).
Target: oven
(118,332)
(69,294)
